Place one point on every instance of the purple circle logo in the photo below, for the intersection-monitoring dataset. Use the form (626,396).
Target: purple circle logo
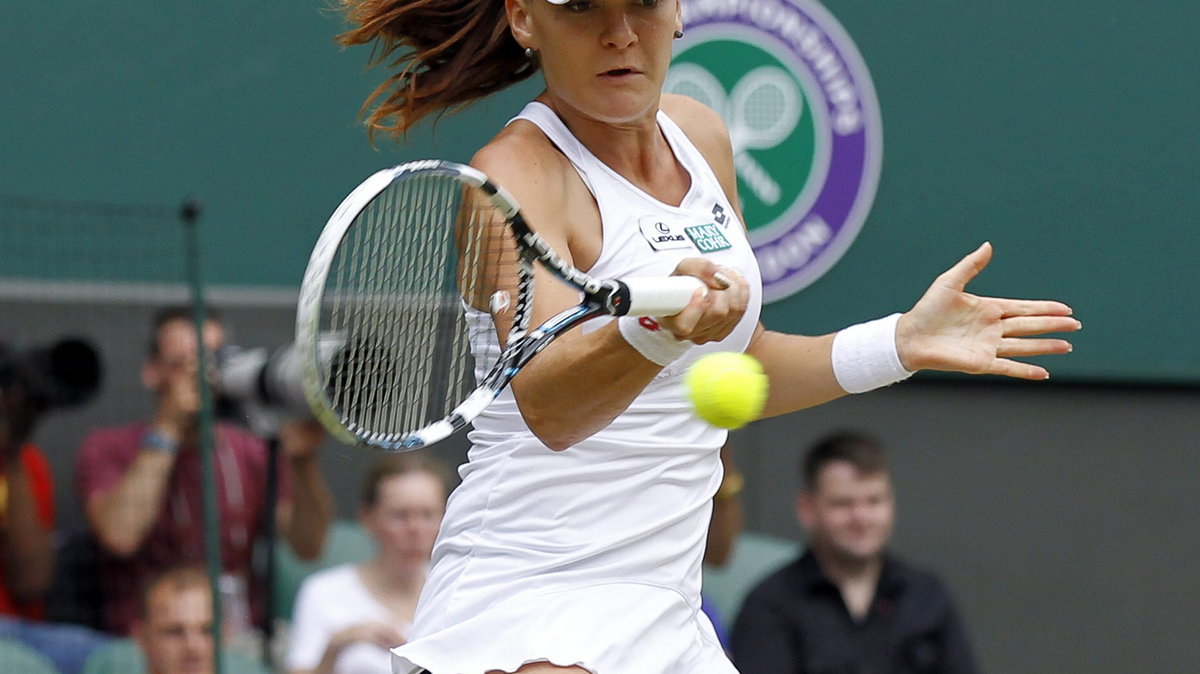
(804,121)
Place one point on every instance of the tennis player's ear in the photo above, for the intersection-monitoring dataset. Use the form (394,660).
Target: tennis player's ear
(519,22)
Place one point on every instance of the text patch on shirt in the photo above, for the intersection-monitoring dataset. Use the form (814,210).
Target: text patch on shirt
(662,234)
(708,238)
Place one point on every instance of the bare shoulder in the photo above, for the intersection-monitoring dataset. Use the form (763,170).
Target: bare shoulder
(524,161)
(703,126)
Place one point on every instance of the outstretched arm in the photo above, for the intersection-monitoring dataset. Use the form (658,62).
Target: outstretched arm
(947,329)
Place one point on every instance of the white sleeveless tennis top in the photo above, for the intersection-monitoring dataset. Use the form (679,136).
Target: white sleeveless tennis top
(591,556)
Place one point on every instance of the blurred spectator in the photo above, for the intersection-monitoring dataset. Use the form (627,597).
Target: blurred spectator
(175,631)
(347,617)
(847,605)
(141,489)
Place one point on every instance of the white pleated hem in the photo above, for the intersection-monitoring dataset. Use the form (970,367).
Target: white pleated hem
(613,628)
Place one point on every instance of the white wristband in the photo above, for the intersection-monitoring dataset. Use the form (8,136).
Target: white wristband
(654,342)
(865,358)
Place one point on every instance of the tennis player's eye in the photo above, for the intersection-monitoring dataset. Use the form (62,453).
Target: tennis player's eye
(579,6)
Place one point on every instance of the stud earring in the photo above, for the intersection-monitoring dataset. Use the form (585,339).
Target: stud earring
(529,52)
(678,34)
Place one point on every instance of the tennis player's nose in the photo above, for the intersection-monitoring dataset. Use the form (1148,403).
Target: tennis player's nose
(617,31)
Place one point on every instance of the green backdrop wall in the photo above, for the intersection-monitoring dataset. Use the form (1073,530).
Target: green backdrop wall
(1063,132)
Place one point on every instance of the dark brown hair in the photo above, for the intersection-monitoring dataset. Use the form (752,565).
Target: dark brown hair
(447,54)
(860,450)
(400,464)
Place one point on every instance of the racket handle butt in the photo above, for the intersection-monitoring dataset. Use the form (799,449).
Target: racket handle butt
(659,296)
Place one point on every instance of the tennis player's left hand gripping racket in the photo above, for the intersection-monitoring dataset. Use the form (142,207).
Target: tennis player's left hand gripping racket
(416,260)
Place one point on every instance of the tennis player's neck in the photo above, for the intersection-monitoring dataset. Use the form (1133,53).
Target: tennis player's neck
(637,151)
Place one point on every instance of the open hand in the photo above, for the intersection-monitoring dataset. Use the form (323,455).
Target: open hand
(951,329)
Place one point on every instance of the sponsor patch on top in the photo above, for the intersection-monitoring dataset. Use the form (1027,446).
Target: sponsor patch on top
(660,234)
(708,238)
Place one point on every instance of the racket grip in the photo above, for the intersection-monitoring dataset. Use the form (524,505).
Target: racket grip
(660,295)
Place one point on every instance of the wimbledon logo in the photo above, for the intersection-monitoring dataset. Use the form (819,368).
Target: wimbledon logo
(804,121)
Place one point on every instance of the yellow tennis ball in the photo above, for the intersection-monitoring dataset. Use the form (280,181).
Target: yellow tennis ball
(728,389)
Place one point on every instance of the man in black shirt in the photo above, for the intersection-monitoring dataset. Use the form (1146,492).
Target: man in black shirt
(846,606)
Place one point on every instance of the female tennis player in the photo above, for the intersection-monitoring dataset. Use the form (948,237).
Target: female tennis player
(574,542)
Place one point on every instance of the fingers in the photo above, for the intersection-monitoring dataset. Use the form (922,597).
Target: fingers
(1021,348)
(967,268)
(1018,370)
(1011,307)
(713,275)
(1023,326)
(711,315)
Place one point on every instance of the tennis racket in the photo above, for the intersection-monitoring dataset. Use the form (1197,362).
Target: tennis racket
(412,270)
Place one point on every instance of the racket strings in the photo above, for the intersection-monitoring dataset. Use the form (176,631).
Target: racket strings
(362,283)
(422,252)
(392,330)
(489,267)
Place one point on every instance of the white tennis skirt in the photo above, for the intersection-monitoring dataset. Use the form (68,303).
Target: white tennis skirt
(608,628)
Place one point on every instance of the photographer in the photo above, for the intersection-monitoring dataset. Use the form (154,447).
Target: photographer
(140,484)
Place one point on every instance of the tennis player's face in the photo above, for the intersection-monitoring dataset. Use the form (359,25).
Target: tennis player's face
(849,514)
(406,516)
(606,59)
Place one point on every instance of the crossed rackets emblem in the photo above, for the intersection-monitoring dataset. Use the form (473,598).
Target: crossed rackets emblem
(762,110)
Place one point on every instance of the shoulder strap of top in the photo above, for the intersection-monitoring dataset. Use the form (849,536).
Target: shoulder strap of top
(545,119)
(686,151)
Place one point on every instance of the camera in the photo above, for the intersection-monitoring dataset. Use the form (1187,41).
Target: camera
(252,380)
(62,374)
(262,380)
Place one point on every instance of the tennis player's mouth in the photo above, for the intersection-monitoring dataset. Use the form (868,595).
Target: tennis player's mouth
(620,72)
